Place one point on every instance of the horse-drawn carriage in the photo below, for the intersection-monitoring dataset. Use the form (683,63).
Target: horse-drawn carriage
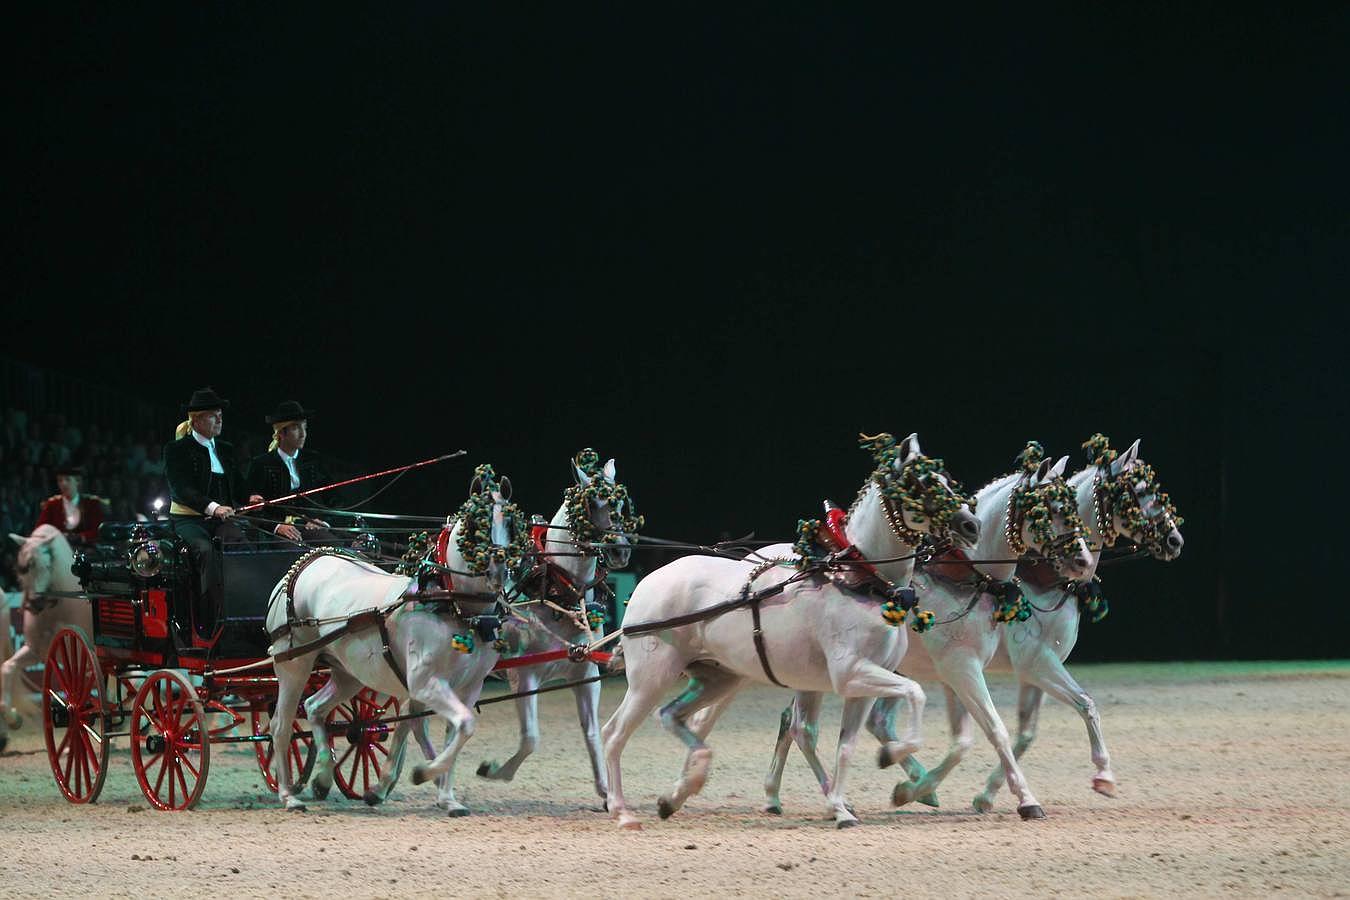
(174,676)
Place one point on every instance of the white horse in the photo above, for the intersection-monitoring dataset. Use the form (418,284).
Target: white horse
(426,652)
(594,519)
(811,635)
(43,566)
(1118,496)
(1024,510)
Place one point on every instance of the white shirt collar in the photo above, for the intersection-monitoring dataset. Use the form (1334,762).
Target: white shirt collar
(205,442)
(290,456)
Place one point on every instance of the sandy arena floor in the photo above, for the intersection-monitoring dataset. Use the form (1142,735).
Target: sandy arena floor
(1233,780)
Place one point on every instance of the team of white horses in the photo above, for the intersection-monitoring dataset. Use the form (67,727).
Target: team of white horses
(824,615)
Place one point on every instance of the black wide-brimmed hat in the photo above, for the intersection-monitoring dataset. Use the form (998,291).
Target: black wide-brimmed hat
(69,469)
(205,398)
(289,411)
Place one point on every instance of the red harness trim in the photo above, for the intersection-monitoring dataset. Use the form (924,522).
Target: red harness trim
(834,527)
(952,565)
(1038,573)
(538,535)
(442,549)
(546,656)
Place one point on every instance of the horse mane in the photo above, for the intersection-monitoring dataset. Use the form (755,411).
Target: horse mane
(998,482)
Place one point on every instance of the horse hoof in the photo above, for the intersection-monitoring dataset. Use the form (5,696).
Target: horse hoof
(929,800)
(884,760)
(1031,811)
(630,825)
(456,812)
(320,791)
(982,804)
(773,809)
(664,808)
(903,793)
(4,742)
(1104,787)
(372,797)
(293,805)
(13,720)
(419,774)
(484,769)
(847,823)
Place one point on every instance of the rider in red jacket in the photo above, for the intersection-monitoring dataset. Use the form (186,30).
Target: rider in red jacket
(77,515)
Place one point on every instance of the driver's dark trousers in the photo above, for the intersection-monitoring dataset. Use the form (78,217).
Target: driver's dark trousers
(197,532)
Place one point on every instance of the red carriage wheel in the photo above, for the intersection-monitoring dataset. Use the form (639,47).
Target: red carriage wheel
(359,740)
(170,743)
(75,716)
(302,749)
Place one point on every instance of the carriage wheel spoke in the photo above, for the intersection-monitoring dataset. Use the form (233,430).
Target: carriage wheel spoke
(182,780)
(163,770)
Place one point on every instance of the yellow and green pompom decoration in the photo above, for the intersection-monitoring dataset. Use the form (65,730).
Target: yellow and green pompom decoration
(462,642)
(595,616)
(923,620)
(893,612)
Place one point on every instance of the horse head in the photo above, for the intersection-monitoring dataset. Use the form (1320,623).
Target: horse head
(921,490)
(35,565)
(1042,515)
(1129,502)
(492,529)
(600,511)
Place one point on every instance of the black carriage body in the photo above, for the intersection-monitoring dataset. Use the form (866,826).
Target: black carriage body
(134,614)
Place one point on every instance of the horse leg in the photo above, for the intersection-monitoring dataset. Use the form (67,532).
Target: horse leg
(1028,715)
(588,715)
(341,686)
(965,676)
(881,723)
(651,670)
(706,685)
(9,673)
(398,749)
(959,725)
(527,711)
(292,677)
(864,678)
(1048,673)
(800,725)
(855,710)
(436,693)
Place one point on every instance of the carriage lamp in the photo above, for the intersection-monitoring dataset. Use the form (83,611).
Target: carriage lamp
(158,505)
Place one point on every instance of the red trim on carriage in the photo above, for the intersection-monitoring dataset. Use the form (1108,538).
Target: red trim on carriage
(155,615)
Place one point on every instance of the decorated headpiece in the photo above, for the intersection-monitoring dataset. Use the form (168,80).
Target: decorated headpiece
(578,499)
(475,516)
(1035,504)
(1118,495)
(911,486)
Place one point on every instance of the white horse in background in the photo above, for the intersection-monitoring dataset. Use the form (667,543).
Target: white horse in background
(44,572)
(813,635)
(431,655)
(594,520)
(968,619)
(1118,496)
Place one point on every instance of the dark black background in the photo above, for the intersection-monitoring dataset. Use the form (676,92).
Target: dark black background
(716,244)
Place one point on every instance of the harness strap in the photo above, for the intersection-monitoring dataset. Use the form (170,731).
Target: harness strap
(759,641)
(389,655)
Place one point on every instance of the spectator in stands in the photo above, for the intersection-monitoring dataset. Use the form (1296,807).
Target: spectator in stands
(76,515)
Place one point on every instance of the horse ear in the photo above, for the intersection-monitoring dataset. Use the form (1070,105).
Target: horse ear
(1057,470)
(17,538)
(1041,473)
(581,478)
(909,448)
(610,471)
(475,485)
(1124,461)
(505,489)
